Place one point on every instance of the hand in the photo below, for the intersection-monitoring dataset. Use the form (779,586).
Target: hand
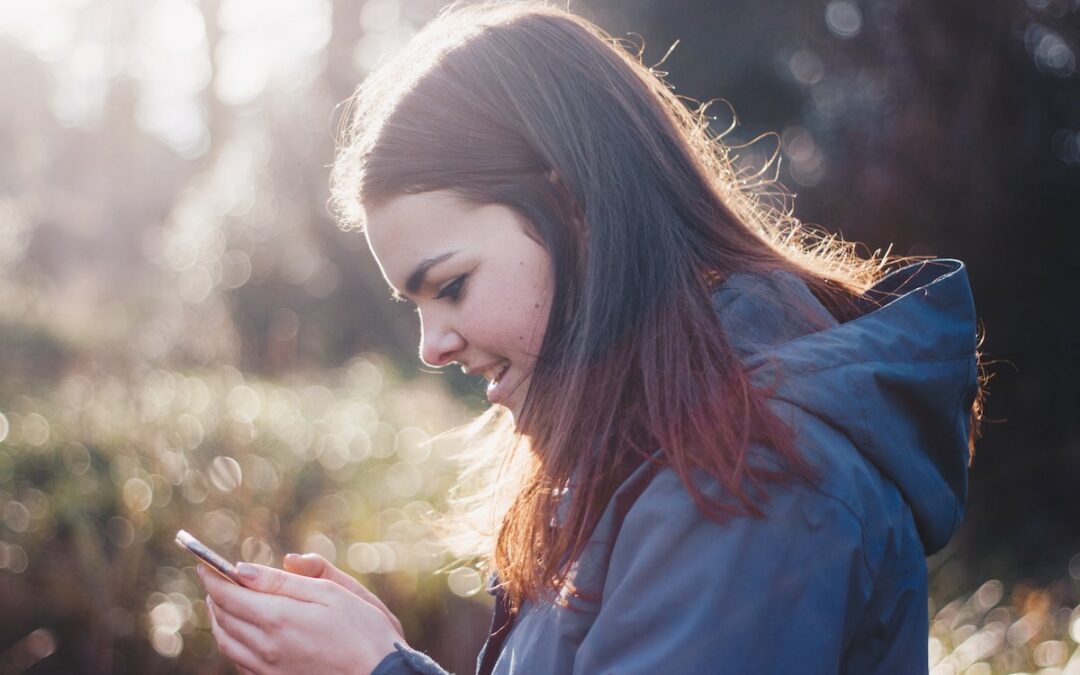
(314,565)
(281,622)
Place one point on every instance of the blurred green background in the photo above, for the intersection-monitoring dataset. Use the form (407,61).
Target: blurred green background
(187,339)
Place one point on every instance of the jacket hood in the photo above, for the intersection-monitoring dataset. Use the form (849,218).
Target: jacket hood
(899,380)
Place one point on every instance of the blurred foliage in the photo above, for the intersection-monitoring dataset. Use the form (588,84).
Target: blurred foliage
(1031,631)
(180,319)
(97,475)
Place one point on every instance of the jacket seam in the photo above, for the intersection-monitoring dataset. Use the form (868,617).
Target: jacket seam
(862,529)
(847,507)
(848,364)
(972,380)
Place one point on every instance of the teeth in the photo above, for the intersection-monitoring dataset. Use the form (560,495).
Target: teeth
(494,374)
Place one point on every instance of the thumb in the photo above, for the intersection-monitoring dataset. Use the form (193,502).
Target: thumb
(314,565)
(279,582)
(308,565)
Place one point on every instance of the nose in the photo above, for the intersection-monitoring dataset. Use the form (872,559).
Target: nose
(439,343)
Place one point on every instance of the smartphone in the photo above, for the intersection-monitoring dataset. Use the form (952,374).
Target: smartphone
(203,552)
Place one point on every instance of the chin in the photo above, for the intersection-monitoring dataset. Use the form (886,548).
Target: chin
(513,410)
(515,402)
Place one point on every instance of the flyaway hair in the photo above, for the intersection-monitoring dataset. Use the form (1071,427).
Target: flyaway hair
(643,212)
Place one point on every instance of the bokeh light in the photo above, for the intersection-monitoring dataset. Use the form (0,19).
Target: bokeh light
(189,342)
(464,581)
(843,18)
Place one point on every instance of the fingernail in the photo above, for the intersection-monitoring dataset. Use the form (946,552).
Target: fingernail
(246,571)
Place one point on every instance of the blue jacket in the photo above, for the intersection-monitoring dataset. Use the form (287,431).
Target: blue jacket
(833,579)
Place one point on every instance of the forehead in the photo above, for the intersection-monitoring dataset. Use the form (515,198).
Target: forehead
(410,228)
(407,221)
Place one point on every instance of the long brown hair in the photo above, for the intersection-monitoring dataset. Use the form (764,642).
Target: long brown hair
(643,214)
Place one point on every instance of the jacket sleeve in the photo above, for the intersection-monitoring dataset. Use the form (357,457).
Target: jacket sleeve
(686,594)
(407,661)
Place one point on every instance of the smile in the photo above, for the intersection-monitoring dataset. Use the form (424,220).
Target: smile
(496,389)
(496,371)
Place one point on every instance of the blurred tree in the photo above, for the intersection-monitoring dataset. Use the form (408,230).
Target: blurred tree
(163,223)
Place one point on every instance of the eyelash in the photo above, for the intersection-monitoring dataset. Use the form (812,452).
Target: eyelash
(453,289)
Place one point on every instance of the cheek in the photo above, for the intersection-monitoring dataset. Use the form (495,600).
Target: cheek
(533,303)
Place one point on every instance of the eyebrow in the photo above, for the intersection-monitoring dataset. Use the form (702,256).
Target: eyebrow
(416,278)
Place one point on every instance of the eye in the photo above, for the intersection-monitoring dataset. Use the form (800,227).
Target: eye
(453,289)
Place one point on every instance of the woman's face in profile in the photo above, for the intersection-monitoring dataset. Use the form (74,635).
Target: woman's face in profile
(481,285)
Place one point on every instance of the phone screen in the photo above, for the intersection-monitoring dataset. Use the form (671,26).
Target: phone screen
(208,556)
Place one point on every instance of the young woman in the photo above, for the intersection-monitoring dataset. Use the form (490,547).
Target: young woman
(726,445)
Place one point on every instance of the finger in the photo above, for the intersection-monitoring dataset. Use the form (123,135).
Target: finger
(223,591)
(213,582)
(314,565)
(229,646)
(236,627)
(256,608)
(281,583)
(261,639)
(308,564)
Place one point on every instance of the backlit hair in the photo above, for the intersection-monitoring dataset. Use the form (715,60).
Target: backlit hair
(643,213)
